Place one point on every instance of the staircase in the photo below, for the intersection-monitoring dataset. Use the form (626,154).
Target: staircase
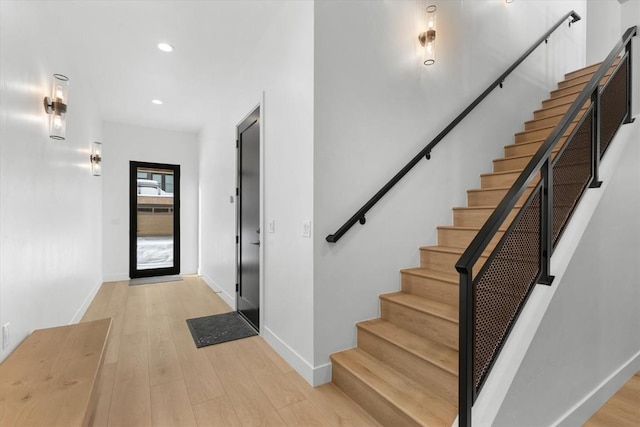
(404,369)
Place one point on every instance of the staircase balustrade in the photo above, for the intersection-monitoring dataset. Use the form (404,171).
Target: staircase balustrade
(491,301)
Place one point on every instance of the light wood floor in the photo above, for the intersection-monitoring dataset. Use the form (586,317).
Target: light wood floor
(622,410)
(155,376)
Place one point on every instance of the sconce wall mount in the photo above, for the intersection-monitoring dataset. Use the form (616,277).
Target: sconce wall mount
(96,158)
(56,106)
(428,38)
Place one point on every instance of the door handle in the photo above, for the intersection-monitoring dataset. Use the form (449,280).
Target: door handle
(256,243)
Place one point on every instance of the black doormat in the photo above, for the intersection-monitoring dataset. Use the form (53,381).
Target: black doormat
(155,279)
(219,328)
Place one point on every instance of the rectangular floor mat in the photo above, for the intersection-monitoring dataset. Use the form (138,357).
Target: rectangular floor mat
(219,328)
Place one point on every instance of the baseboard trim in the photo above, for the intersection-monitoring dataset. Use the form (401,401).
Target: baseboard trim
(593,401)
(86,303)
(315,376)
(230,300)
(116,277)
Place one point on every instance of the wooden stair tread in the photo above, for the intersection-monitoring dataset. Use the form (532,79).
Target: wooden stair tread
(555,116)
(448,249)
(495,188)
(538,141)
(567,104)
(521,156)
(472,208)
(438,309)
(462,228)
(549,128)
(589,69)
(432,351)
(433,274)
(423,407)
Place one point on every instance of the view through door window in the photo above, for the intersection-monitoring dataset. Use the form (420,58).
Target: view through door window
(154,218)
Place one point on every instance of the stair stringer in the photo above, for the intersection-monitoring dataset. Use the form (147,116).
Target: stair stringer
(492,407)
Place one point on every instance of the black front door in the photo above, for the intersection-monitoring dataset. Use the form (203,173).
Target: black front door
(154,219)
(248,219)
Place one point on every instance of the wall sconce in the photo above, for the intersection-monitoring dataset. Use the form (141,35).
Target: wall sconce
(508,1)
(96,158)
(428,38)
(56,106)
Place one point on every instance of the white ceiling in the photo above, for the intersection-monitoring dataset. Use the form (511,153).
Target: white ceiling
(113,43)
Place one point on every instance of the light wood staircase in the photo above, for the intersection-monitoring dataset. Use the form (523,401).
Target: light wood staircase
(404,369)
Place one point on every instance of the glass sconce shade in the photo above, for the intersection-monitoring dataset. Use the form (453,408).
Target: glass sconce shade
(56,107)
(428,38)
(96,158)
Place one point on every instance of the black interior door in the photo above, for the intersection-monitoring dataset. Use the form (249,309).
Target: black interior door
(248,220)
(154,219)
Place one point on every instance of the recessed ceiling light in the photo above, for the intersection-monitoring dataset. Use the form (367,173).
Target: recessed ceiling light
(165,47)
(157,102)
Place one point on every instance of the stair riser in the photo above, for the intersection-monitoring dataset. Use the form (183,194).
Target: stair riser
(548,121)
(559,100)
(529,148)
(499,180)
(576,88)
(420,323)
(430,376)
(582,79)
(372,402)
(552,111)
(477,217)
(588,70)
(514,163)
(434,289)
(539,134)
(462,238)
(445,262)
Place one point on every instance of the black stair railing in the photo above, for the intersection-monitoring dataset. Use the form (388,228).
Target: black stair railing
(552,185)
(359,216)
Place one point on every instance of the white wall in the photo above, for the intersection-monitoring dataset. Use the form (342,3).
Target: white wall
(124,143)
(602,35)
(589,335)
(376,106)
(280,66)
(50,206)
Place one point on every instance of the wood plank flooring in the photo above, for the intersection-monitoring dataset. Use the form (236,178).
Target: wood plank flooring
(155,376)
(622,410)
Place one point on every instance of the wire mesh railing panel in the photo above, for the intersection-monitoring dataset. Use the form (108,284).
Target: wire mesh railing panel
(571,174)
(613,102)
(503,285)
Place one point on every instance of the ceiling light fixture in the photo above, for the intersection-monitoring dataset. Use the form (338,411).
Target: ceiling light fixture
(157,102)
(165,47)
(56,106)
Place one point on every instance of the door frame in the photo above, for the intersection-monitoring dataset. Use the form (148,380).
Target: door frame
(263,239)
(134,273)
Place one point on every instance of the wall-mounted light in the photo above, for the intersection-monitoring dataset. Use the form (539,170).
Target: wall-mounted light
(428,38)
(96,158)
(508,1)
(56,106)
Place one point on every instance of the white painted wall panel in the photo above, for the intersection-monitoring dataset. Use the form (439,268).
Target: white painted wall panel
(123,143)
(281,66)
(50,204)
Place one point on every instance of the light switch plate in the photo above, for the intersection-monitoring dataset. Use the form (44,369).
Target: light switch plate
(306,229)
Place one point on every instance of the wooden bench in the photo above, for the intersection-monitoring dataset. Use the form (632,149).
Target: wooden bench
(51,377)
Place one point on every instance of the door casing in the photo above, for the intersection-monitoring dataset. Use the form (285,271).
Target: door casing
(260,107)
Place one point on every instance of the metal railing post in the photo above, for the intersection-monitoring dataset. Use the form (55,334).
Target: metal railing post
(595,140)
(546,223)
(466,386)
(628,118)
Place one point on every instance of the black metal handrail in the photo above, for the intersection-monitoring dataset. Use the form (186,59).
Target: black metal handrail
(359,216)
(540,162)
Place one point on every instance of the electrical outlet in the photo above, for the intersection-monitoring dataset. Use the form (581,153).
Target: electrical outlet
(271,226)
(306,229)
(5,335)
